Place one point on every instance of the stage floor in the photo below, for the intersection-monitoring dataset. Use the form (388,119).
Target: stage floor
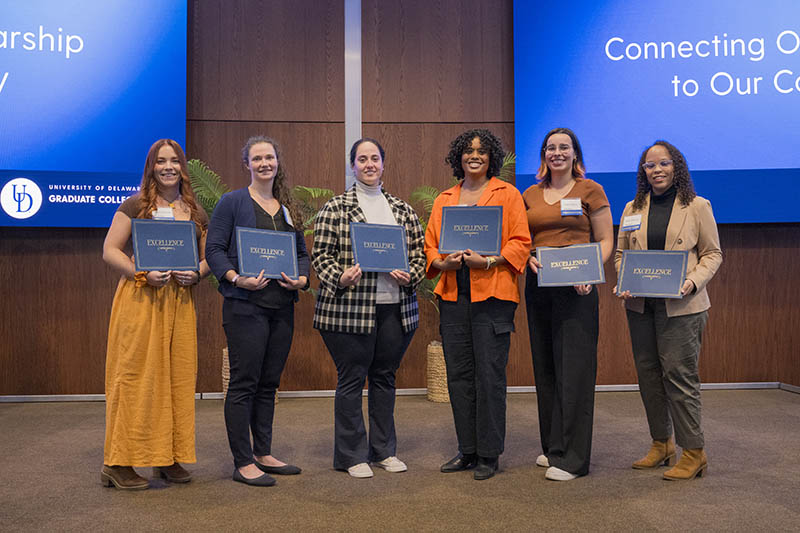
(52,455)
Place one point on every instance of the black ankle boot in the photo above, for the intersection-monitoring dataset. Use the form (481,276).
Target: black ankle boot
(486,468)
(460,462)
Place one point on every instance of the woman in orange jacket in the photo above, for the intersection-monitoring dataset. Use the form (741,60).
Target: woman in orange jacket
(478,297)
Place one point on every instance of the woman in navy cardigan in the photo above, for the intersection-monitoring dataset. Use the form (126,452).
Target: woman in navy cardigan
(258,313)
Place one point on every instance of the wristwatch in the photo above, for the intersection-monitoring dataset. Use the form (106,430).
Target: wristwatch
(490,262)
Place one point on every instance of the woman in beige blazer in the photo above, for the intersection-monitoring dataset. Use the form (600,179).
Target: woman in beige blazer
(667,214)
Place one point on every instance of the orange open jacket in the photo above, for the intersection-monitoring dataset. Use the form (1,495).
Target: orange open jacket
(500,282)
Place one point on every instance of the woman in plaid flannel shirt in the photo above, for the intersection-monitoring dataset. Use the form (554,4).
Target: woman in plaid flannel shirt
(366,319)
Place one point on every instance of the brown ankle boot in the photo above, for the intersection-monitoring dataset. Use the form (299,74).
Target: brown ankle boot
(661,453)
(122,477)
(174,473)
(692,464)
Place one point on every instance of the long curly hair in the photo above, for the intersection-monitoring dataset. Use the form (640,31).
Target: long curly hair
(280,184)
(681,178)
(578,167)
(488,141)
(148,189)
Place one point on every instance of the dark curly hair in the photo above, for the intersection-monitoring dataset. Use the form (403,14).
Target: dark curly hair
(361,141)
(682,180)
(488,141)
(280,184)
(578,167)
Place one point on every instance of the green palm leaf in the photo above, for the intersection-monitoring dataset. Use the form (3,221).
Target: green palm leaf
(310,200)
(509,169)
(207,185)
(425,195)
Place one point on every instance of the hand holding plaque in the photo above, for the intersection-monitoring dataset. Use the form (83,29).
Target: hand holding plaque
(379,247)
(476,228)
(266,253)
(579,264)
(164,245)
(653,273)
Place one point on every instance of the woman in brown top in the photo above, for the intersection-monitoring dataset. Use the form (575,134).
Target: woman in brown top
(151,360)
(563,321)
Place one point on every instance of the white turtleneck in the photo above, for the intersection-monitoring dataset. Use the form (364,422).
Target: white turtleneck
(377,210)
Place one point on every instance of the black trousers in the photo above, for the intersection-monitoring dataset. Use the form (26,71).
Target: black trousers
(476,338)
(563,328)
(259,340)
(376,356)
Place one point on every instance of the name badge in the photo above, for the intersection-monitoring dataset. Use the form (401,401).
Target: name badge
(571,207)
(631,222)
(163,213)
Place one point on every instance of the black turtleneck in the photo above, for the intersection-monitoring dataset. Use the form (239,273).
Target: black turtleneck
(658,218)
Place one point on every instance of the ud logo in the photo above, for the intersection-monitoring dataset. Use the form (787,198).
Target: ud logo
(21,198)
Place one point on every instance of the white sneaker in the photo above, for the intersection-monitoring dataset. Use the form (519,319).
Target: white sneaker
(542,461)
(392,464)
(360,470)
(556,474)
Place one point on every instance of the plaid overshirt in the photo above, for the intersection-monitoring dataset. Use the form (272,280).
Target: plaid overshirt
(352,309)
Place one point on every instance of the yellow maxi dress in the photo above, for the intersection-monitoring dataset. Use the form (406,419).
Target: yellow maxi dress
(151,372)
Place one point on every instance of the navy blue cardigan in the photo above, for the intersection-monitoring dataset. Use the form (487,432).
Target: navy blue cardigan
(236,209)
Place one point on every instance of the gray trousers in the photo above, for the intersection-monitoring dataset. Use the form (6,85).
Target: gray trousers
(666,350)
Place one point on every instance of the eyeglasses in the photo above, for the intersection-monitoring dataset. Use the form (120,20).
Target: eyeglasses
(563,148)
(665,163)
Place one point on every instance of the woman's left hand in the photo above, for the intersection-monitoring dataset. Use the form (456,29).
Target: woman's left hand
(474,259)
(292,284)
(583,290)
(402,278)
(688,287)
(186,277)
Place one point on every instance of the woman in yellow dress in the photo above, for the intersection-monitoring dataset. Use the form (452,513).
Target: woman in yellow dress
(151,359)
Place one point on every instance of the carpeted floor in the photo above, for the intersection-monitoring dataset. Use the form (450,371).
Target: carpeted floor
(51,455)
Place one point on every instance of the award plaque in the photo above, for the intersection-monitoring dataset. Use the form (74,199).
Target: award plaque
(579,264)
(164,245)
(379,247)
(653,273)
(476,228)
(271,251)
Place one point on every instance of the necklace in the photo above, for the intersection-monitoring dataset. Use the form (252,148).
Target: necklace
(173,202)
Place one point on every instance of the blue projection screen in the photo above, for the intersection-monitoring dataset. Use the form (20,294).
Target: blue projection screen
(85,88)
(718,79)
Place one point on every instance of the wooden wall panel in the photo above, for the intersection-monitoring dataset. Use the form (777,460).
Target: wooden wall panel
(56,299)
(437,61)
(430,71)
(274,60)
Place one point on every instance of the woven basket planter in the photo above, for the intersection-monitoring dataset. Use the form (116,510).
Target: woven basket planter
(437,374)
(226,372)
(226,375)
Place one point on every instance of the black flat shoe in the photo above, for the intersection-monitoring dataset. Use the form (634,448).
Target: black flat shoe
(460,462)
(487,467)
(285,470)
(263,480)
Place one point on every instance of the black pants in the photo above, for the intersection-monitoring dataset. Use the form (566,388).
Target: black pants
(563,328)
(258,345)
(476,338)
(376,356)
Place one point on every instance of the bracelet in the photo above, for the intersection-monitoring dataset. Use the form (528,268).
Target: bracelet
(235,279)
(490,262)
